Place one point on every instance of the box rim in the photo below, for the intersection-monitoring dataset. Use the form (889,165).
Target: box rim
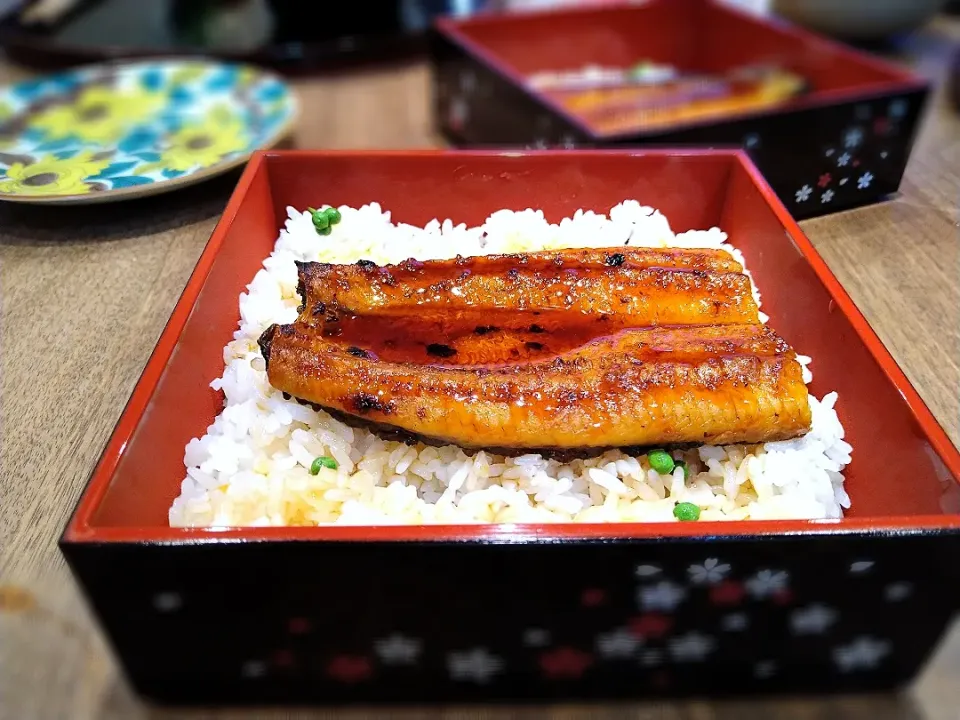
(908,82)
(521,534)
(79,528)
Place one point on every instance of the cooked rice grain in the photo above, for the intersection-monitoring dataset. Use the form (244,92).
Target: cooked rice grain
(252,465)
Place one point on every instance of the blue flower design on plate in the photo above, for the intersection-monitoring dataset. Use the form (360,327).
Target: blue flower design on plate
(181,95)
(140,139)
(139,124)
(30,90)
(271,91)
(225,79)
(152,79)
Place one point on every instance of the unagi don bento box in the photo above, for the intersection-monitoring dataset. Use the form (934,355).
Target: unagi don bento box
(239,546)
(830,127)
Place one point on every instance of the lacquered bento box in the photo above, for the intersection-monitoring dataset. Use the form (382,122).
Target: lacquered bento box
(537,612)
(843,144)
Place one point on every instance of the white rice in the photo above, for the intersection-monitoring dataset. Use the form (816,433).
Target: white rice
(252,465)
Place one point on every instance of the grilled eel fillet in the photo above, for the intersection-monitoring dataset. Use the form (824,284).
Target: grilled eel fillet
(650,287)
(563,351)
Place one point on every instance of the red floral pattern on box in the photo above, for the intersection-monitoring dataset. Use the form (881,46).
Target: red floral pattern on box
(661,617)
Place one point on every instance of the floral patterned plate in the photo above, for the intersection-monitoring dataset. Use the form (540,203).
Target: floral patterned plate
(115,131)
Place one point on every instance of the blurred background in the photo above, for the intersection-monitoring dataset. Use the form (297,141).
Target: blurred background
(300,37)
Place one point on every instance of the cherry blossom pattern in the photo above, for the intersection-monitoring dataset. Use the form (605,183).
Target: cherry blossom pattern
(864,653)
(767,583)
(881,126)
(458,113)
(349,668)
(728,592)
(565,663)
(895,592)
(536,637)
(651,625)
(618,644)
(691,647)
(853,138)
(646,571)
(860,567)
(711,572)
(467,81)
(664,595)
(167,602)
(812,620)
(735,622)
(477,665)
(898,108)
(398,650)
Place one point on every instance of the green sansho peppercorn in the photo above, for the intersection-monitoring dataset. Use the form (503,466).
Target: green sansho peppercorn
(661,461)
(686,512)
(321,221)
(322,462)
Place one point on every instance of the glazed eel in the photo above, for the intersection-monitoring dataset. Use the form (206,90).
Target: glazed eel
(570,350)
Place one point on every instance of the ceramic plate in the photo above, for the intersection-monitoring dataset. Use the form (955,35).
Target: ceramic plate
(115,131)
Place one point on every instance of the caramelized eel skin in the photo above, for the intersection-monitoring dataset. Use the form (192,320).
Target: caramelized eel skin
(652,287)
(590,380)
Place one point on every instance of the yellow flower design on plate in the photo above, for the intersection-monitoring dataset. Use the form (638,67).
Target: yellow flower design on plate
(204,143)
(99,114)
(50,176)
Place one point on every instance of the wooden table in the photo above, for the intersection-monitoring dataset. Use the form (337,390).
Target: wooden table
(85,294)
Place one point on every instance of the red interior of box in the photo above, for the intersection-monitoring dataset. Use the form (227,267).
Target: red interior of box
(904,472)
(693,35)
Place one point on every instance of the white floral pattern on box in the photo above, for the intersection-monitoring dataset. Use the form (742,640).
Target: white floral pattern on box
(695,614)
(862,150)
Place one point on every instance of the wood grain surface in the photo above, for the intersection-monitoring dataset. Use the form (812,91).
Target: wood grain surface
(86,292)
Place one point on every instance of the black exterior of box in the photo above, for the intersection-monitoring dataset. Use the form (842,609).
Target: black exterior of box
(818,160)
(242,623)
